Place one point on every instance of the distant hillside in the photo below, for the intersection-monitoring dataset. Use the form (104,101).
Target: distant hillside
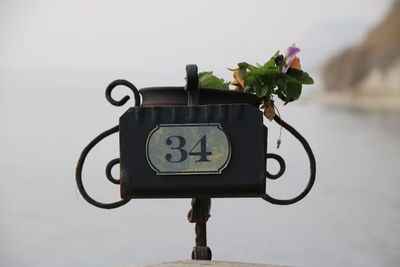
(373,66)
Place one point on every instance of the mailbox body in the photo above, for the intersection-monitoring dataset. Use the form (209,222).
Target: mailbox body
(241,173)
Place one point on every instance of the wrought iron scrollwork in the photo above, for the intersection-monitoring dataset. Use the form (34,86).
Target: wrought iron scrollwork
(109,167)
(94,142)
(79,167)
(121,102)
(282,164)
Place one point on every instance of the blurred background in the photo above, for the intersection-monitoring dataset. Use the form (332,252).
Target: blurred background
(56,59)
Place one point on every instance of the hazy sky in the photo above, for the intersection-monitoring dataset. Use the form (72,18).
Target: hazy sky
(160,37)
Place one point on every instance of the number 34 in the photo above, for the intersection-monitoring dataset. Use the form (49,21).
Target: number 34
(184,153)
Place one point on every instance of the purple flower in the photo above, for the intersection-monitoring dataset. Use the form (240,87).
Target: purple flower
(291,53)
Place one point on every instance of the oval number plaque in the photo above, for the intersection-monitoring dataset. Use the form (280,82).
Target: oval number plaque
(188,149)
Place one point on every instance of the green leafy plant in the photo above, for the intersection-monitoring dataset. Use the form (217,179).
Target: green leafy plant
(280,76)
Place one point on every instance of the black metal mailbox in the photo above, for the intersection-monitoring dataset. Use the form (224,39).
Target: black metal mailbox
(187,142)
(191,151)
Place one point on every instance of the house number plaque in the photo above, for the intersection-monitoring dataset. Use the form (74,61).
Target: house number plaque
(201,148)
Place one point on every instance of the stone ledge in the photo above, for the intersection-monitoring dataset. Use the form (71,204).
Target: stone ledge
(205,263)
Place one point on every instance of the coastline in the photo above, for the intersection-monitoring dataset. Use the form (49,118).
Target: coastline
(363,102)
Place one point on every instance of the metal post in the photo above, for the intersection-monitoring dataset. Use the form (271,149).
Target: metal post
(199,214)
(200,211)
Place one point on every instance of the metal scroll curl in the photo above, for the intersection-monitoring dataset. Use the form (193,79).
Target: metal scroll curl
(122,101)
(109,167)
(79,167)
(282,164)
(94,142)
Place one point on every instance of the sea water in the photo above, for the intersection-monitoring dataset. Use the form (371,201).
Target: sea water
(350,218)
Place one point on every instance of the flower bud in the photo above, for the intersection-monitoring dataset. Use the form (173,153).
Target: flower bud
(295,64)
(280,61)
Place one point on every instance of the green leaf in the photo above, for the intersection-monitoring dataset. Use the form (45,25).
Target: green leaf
(264,91)
(272,74)
(306,79)
(258,90)
(271,63)
(248,89)
(293,91)
(251,67)
(208,80)
(289,78)
(204,73)
(295,73)
(300,75)
(282,96)
(281,85)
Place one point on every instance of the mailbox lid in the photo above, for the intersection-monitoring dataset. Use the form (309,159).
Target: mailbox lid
(243,175)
